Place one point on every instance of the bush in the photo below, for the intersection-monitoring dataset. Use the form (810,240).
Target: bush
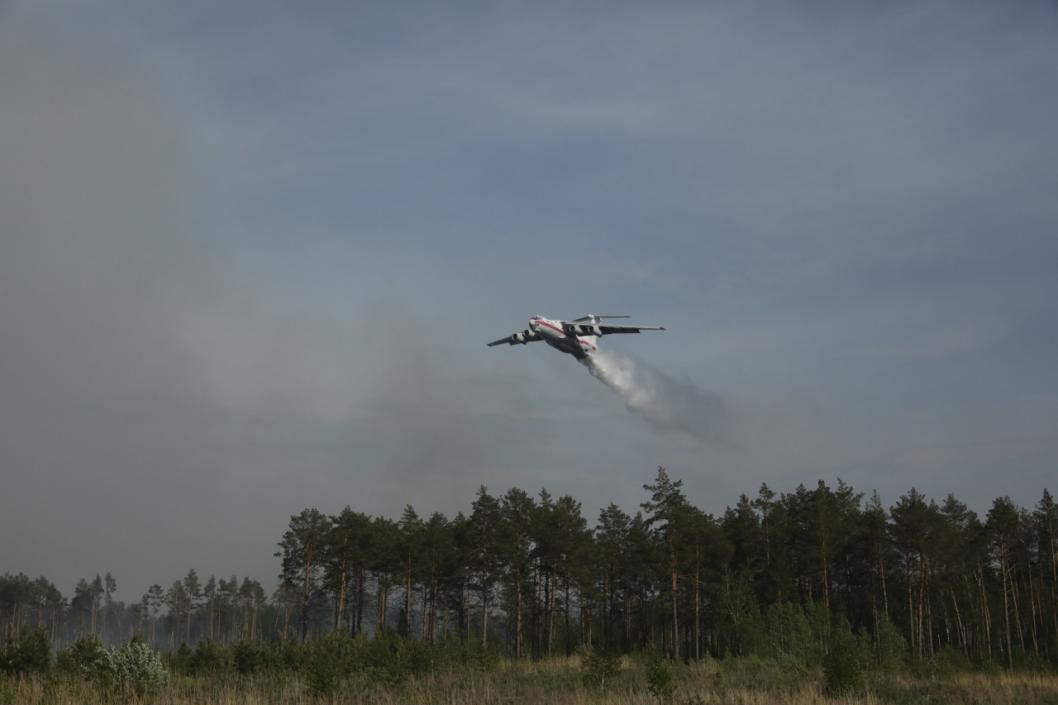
(600,666)
(29,653)
(790,634)
(87,659)
(949,661)
(180,661)
(324,667)
(889,646)
(208,657)
(139,668)
(659,677)
(249,657)
(479,657)
(845,666)
(786,674)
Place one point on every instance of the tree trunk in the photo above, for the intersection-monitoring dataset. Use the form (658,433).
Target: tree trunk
(518,612)
(1006,605)
(675,594)
(381,595)
(569,644)
(309,551)
(697,609)
(958,622)
(910,603)
(1017,610)
(339,608)
(550,612)
(885,593)
(405,626)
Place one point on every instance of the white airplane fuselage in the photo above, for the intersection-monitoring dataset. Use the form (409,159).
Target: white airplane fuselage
(551,332)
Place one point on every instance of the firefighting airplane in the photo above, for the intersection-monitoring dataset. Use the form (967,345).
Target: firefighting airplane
(573,337)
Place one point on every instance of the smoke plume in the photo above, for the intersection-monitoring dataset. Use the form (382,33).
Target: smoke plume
(668,405)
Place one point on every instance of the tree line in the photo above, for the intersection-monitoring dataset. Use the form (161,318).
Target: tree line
(526,575)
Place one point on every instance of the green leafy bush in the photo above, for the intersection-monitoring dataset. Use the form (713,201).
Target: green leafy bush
(180,661)
(784,674)
(87,659)
(208,657)
(29,653)
(249,657)
(790,634)
(599,667)
(845,666)
(325,662)
(890,648)
(139,668)
(660,681)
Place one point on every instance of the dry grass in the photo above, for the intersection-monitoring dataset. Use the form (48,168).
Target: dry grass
(556,681)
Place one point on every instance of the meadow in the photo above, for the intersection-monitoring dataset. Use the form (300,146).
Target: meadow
(477,678)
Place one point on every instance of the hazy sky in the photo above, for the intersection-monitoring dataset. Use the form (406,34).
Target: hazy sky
(251,252)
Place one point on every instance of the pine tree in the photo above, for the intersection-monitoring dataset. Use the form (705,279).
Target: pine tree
(302,554)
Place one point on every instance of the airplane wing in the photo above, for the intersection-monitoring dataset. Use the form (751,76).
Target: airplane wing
(526,336)
(611,330)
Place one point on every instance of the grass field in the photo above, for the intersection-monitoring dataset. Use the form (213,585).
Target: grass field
(561,681)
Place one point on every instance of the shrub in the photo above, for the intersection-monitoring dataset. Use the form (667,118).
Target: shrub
(889,646)
(139,668)
(180,661)
(323,669)
(600,666)
(29,653)
(208,657)
(659,677)
(786,674)
(845,666)
(249,657)
(790,634)
(87,659)
(479,657)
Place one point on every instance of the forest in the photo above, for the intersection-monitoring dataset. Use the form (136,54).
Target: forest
(529,577)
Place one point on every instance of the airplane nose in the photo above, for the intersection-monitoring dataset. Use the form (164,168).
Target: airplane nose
(532,324)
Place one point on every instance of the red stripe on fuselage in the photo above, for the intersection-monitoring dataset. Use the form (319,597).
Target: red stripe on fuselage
(546,324)
(551,326)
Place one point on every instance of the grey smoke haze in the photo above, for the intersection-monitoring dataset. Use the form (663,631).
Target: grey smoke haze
(666,404)
(250,266)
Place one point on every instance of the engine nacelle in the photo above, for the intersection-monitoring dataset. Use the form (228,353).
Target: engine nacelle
(519,338)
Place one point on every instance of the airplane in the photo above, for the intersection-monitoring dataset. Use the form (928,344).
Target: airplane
(572,337)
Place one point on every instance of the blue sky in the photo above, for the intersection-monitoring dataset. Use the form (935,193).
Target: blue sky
(254,251)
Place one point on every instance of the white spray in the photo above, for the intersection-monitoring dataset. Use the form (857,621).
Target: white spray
(667,404)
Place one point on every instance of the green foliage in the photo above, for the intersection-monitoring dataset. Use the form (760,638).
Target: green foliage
(139,668)
(477,656)
(890,648)
(87,659)
(29,653)
(784,674)
(845,665)
(660,681)
(7,691)
(180,661)
(249,657)
(324,666)
(208,657)
(599,666)
(789,634)
(949,661)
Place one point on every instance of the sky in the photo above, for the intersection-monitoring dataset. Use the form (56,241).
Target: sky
(251,253)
